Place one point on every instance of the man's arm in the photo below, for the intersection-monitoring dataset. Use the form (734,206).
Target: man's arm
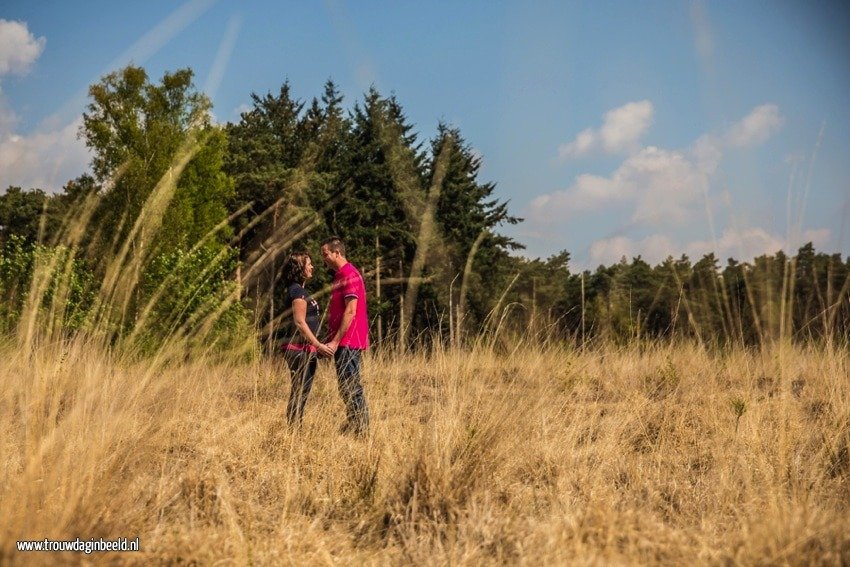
(347,318)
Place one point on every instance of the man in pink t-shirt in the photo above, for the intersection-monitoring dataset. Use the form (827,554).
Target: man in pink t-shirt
(348,332)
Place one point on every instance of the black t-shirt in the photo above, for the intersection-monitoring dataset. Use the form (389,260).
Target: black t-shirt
(291,334)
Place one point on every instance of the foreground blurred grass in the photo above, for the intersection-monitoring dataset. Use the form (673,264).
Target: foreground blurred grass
(646,455)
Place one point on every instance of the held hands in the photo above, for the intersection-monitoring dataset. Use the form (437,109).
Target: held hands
(325,350)
(332,346)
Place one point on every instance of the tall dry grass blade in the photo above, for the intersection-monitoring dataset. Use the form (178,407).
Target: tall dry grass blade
(427,230)
(464,282)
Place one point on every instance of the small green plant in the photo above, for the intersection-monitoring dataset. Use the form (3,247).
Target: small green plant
(739,408)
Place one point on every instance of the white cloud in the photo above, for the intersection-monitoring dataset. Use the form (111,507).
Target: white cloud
(18,47)
(707,151)
(625,125)
(652,249)
(665,190)
(741,244)
(661,183)
(44,160)
(584,143)
(48,157)
(666,183)
(747,243)
(664,187)
(588,193)
(621,130)
(756,127)
(610,250)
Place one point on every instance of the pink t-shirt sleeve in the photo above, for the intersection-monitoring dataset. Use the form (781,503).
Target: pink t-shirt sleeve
(352,286)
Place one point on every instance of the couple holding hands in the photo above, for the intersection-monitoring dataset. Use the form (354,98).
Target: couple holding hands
(348,333)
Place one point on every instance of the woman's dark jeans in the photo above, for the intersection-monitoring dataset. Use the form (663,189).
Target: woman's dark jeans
(302,368)
(348,363)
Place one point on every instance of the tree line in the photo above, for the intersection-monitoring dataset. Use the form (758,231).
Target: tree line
(181,226)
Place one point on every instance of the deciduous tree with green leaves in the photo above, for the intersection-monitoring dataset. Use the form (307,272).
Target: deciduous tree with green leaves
(159,159)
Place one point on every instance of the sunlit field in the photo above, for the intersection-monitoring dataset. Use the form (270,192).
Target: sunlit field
(653,454)
(521,412)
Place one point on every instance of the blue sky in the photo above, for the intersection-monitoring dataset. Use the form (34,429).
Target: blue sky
(614,128)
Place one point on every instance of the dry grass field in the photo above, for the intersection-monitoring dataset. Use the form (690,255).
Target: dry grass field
(652,455)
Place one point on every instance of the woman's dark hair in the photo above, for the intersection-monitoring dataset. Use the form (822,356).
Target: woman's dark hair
(295,268)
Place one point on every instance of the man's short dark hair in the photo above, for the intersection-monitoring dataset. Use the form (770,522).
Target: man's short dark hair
(335,244)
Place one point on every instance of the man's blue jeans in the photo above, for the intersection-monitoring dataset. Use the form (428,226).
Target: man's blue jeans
(348,364)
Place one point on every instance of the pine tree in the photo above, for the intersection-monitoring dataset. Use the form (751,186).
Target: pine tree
(469,217)
(265,161)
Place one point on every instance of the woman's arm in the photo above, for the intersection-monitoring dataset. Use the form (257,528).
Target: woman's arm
(299,317)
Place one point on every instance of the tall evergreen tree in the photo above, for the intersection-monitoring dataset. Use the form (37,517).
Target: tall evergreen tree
(265,161)
(382,183)
(469,217)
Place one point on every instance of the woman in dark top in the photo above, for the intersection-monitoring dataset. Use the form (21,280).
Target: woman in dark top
(300,345)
